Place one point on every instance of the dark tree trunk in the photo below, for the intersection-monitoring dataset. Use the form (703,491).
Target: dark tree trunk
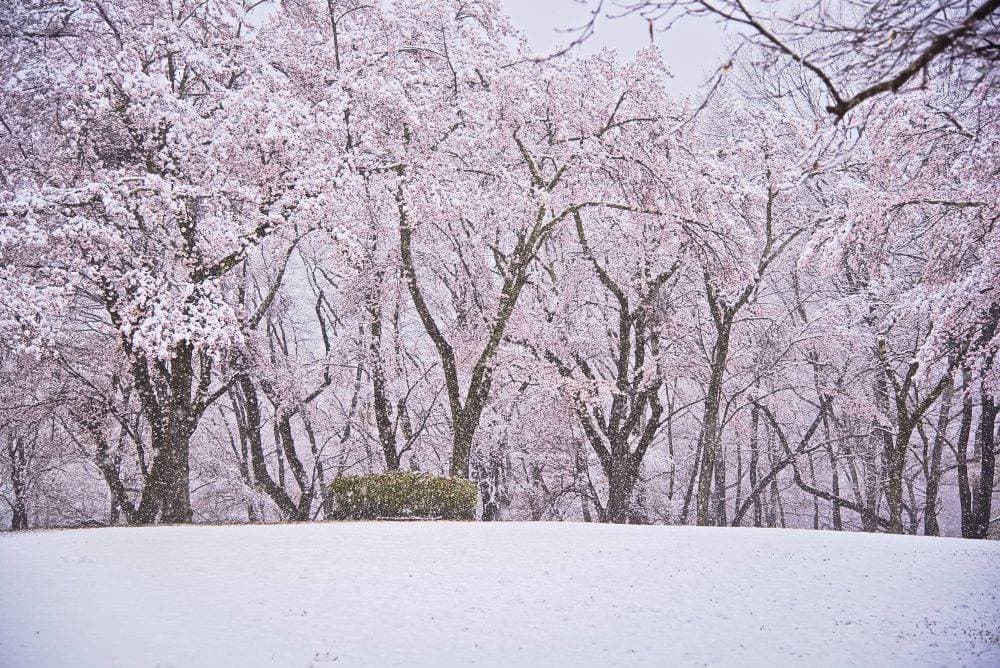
(167,496)
(465,430)
(249,422)
(620,487)
(719,493)
(689,491)
(982,499)
(491,475)
(18,479)
(711,438)
(889,455)
(870,477)
(812,478)
(19,519)
(836,514)
(175,478)
(962,459)
(172,406)
(581,475)
(382,406)
(895,462)
(909,412)
(755,463)
(931,527)
(774,500)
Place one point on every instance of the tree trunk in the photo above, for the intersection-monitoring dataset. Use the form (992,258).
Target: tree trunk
(173,417)
(962,459)
(755,462)
(689,491)
(167,496)
(18,475)
(812,479)
(836,514)
(983,493)
(383,419)
(176,489)
(462,446)
(719,493)
(491,475)
(19,519)
(249,422)
(620,487)
(895,463)
(872,488)
(931,527)
(581,475)
(711,430)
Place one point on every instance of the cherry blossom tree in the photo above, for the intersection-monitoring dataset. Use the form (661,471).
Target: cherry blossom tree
(158,146)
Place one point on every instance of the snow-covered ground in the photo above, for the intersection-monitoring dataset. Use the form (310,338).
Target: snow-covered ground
(496,594)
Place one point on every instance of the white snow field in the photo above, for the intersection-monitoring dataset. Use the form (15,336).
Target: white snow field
(452,594)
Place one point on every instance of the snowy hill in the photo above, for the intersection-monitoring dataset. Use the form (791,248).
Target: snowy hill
(494,594)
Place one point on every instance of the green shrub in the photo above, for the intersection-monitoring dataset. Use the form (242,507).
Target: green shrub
(403,495)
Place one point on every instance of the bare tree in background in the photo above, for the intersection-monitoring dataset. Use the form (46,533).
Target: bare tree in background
(854,49)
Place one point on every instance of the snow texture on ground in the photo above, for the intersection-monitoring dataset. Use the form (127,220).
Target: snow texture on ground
(439,594)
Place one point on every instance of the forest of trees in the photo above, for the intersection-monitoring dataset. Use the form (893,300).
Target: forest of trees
(248,248)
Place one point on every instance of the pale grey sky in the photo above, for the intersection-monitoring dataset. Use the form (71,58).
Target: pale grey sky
(693,49)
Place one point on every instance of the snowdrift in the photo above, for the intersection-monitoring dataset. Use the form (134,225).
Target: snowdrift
(494,594)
